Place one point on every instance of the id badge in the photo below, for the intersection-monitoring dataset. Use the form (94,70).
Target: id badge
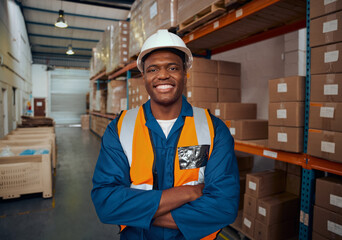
(193,156)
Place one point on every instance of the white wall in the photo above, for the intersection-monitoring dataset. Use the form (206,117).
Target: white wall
(15,72)
(40,85)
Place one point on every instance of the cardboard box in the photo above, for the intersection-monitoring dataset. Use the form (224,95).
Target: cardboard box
(278,208)
(229,81)
(229,68)
(294,169)
(262,184)
(323,7)
(288,89)
(248,129)
(325,144)
(248,225)
(202,94)
(326,88)
(326,59)
(326,29)
(85,121)
(199,79)
(238,221)
(116,90)
(234,111)
(287,114)
(326,116)
(206,105)
(293,184)
(229,95)
(280,165)
(279,231)
(329,193)
(250,206)
(245,161)
(327,223)
(316,236)
(286,138)
(204,65)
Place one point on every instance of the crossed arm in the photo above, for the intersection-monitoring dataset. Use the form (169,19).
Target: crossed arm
(173,198)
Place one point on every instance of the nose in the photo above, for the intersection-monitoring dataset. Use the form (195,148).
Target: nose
(163,73)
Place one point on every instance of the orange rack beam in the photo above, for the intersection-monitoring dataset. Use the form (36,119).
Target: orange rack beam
(110,116)
(101,75)
(256,149)
(123,70)
(246,10)
(324,165)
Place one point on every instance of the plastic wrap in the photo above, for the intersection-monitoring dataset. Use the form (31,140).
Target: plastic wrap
(137,34)
(117,39)
(189,8)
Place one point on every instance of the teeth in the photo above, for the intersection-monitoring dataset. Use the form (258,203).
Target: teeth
(164,86)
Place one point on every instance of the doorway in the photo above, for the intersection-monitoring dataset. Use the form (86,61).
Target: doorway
(5,110)
(39,107)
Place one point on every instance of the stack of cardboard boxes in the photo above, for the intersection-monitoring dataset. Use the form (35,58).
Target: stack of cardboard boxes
(116,45)
(116,98)
(286,113)
(327,219)
(216,85)
(325,133)
(137,94)
(269,211)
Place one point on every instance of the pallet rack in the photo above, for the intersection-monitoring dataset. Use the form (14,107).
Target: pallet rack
(261,19)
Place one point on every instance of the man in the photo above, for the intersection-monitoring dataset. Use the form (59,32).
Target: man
(166,170)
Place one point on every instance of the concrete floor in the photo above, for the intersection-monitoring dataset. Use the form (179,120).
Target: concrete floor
(70,214)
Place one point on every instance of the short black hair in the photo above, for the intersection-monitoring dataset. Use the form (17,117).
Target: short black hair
(176,51)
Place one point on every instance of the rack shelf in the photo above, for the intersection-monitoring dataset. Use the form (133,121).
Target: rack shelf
(324,165)
(259,147)
(100,76)
(253,18)
(122,71)
(109,116)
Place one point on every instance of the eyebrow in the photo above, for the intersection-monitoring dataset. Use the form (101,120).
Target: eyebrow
(169,64)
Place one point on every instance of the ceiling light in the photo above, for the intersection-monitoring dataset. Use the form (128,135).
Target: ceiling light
(70,51)
(61,23)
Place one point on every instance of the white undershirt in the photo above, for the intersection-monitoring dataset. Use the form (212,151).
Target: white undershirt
(166,125)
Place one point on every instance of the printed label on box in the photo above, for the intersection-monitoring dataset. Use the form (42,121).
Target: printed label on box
(140,97)
(191,37)
(335,228)
(153,10)
(330,26)
(217,112)
(270,154)
(328,147)
(239,13)
(326,2)
(262,211)
(216,24)
(281,114)
(124,39)
(232,131)
(330,89)
(331,56)
(189,94)
(123,103)
(282,87)
(252,185)
(247,222)
(282,137)
(125,32)
(327,112)
(336,200)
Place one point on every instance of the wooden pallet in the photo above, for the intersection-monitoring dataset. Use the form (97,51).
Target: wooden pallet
(215,9)
(231,5)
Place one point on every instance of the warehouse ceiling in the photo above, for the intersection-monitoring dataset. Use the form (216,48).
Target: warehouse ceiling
(86,19)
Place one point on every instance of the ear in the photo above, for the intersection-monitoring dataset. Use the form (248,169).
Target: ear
(185,77)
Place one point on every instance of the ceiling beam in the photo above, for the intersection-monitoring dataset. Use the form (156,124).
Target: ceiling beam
(122,5)
(64,38)
(70,14)
(61,47)
(61,55)
(52,25)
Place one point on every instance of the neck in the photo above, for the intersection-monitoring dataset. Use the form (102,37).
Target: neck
(163,112)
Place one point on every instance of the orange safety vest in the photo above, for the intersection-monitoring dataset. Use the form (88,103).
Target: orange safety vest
(197,134)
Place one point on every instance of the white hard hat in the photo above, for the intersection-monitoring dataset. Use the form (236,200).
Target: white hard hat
(164,39)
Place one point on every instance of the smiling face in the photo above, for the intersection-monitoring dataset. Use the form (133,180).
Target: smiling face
(164,77)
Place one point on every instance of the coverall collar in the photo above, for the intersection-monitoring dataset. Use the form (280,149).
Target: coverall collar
(153,125)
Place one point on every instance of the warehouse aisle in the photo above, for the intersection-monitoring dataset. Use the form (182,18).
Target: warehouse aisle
(70,214)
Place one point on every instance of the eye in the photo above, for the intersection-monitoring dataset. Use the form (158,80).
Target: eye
(152,70)
(173,68)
